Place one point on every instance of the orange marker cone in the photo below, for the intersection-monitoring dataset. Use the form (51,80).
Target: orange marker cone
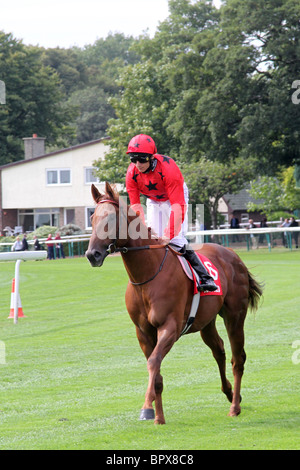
(12,300)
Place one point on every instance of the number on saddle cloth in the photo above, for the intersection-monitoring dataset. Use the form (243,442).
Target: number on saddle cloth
(193,276)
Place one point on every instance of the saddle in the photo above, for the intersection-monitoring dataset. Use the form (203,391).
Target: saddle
(193,276)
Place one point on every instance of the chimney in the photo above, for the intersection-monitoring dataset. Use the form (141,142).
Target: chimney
(34,146)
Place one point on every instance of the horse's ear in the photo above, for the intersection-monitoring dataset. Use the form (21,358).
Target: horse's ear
(110,192)
(96,193)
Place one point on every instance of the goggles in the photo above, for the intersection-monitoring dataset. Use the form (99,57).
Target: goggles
(139,157)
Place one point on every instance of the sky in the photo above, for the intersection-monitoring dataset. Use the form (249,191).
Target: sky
(67,23)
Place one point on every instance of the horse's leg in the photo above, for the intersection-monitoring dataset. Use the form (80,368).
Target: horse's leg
(147,345)
(166,337)
(235,328)
(212,339)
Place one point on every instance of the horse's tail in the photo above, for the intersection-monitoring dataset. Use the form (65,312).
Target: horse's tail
(255,292)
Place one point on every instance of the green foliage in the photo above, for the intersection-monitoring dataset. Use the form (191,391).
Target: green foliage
(275,193)
(209,181)
(70,229)
(42,232)
(89,78)
(139,111)
(33,99)
(270,122)
(61,94)
(94,111)
(221,83)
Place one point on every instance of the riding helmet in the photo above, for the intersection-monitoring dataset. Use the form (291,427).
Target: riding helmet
(142,143)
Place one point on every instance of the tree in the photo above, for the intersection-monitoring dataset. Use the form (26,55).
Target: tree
(89,79)
(209,181)
(148,94)
(268,190)
(269,124)
(33,99)
(94,111)
(69,65)
(277,194)
(138,111)
(226,78)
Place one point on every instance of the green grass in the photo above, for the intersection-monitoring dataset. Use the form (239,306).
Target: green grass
(75,377)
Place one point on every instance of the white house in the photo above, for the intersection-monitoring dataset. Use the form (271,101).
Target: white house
(49,189)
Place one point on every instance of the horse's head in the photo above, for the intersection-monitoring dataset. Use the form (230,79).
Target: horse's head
(105,224)
(115,226)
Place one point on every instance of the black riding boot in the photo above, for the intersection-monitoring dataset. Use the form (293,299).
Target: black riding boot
(207,282)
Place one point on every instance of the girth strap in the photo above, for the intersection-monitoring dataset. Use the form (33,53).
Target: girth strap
(192,315)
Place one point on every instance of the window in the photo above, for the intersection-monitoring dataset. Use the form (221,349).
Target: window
(58,176)
(26,220)
(52,177)
(90,176)
(65,176)
(89,212)
(32,219)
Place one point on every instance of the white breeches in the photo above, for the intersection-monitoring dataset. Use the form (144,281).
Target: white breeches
(158,216)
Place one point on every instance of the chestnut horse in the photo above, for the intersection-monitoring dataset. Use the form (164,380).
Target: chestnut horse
(159,296)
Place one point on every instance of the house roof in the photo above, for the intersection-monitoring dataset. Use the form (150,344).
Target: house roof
(57,152)
(240,200)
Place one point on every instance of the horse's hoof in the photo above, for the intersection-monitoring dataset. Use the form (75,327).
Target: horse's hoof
(234,411)
(159,421)
(147,413)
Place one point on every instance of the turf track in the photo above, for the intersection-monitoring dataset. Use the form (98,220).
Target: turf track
(74,376)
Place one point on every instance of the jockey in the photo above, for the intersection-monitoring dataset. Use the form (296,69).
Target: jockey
(159,179)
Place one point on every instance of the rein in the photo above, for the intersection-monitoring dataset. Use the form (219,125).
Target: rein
(125,249)
(153,277)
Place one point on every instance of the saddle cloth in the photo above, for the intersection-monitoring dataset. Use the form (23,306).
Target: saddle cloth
(193,276)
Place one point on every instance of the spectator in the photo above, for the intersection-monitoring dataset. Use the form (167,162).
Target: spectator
(17,246)
(50,247)
(24,243)
(59,247)
(234,223)
(252,236)
(263,224)
(294,223)
(37,245)
(286,223)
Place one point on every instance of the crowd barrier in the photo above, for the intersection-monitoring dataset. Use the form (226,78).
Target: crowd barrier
(253,238)
(74,246)
(235,238)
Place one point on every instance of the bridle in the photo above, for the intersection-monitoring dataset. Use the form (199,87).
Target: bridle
(112,248)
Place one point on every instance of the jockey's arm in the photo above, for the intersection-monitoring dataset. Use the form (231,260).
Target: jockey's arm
(178,208)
